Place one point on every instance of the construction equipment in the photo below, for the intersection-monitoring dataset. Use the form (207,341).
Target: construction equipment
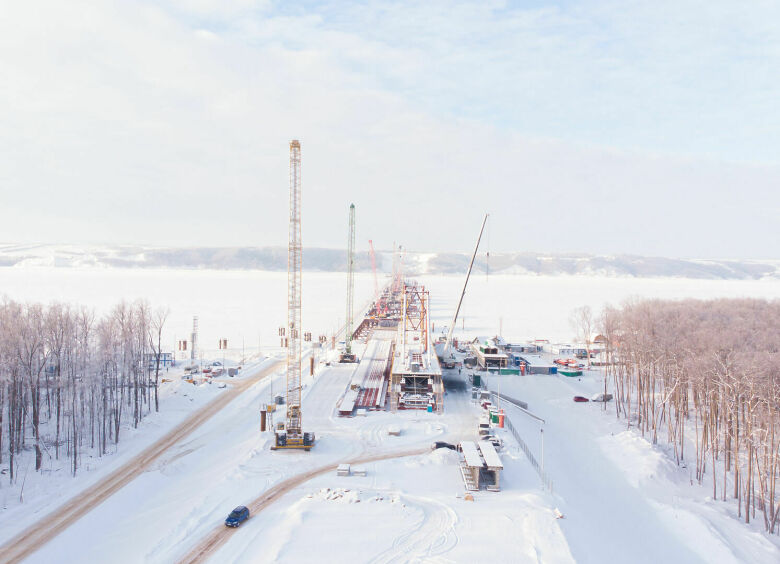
(373,267)
(398,269)
(446,356)
(194,339)
(291,435)
(348,355)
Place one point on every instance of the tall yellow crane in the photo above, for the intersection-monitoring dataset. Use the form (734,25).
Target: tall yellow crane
(292,436)
(348,355)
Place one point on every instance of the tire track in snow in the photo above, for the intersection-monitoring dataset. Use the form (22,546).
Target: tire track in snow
(221,534)
(433,536)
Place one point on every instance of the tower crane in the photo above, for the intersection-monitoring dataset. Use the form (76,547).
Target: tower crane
(292,436)
(348,355)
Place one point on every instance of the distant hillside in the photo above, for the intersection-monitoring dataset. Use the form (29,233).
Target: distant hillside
(334,260)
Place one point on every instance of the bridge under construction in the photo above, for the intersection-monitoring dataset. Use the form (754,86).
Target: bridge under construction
(399,368)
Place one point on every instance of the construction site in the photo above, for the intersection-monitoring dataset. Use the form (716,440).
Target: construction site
(388,352)
(398,368)
(440,438)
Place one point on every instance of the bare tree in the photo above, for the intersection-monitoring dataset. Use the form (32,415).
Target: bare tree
(156,326)
(66,378)
(582,321)
(708,368)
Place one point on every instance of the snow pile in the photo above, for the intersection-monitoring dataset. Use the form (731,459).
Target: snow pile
(340,495)
(441,457)
(649,465)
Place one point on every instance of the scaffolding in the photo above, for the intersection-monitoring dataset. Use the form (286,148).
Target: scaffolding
(415,381)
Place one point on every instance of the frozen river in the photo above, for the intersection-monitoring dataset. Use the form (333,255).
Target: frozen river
(247,307)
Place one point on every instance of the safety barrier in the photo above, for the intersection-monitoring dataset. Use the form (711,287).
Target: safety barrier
(522,406)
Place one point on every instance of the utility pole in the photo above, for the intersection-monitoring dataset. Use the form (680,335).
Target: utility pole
(223,348)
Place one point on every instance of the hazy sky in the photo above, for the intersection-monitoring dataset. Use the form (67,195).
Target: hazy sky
(599,127)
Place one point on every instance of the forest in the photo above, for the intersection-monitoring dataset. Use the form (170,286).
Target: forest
(703,377)
(69,379)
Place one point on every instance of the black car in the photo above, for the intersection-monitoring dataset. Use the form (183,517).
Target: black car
(442,444)
(237,516)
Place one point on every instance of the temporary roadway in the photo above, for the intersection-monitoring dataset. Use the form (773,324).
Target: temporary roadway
(27,542)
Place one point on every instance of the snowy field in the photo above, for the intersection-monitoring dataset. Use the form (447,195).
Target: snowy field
(622,499)
(539,307)
(247,307)
(620,493)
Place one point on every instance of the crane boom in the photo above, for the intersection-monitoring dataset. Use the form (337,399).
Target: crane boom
(448,343)
(373,267)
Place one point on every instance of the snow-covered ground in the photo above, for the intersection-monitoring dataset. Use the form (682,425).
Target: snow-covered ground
(406,510)
(244,307)
(620,494)
(227,462)
(539,307)
(36,494)
(623,499)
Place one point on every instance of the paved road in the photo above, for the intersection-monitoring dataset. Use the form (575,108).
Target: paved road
(28,541)
(221,534)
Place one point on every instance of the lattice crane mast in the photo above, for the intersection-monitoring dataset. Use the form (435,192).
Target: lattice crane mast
(373,267)
(292,436)
(348,355)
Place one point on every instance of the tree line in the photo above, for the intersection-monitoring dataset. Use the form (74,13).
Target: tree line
(69,379)
(704,376)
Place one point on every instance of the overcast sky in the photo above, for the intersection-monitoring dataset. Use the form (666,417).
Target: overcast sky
(598,127)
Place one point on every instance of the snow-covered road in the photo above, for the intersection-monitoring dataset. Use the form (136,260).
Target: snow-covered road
(622,503)
(177,501)
(45,529)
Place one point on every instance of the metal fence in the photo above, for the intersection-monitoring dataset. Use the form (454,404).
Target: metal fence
(546,479)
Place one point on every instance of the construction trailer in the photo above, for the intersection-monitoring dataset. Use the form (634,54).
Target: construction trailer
(415,377)
(488,354)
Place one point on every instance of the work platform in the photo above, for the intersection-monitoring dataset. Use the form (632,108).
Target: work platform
(480,465)
(415,377)
(398,363)
(368,386)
